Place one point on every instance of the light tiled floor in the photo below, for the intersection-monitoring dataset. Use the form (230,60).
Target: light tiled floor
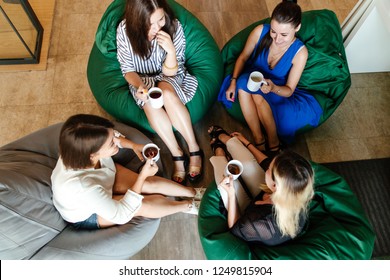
(359,129)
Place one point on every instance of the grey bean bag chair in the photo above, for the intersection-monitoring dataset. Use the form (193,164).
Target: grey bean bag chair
(31,227)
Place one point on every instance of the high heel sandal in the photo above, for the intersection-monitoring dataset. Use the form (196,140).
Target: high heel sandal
(218,144)
(180,176)
(273,151)
(216,131)
(195,169)
(261,144)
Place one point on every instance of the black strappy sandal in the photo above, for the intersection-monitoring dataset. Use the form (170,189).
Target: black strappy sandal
(216,131)
(261,144)
(273,151)
(195,169)
(180,174)
(218,144)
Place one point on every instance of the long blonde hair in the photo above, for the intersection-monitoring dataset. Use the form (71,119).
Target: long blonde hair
(295,178)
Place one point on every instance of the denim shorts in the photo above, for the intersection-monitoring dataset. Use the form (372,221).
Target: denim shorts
(90,223)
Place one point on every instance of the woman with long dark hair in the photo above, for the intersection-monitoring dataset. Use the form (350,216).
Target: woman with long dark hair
(151,52)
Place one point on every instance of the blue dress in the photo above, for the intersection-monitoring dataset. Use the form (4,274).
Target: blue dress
(290,113)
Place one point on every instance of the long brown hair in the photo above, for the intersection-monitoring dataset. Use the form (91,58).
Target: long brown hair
(82,135)
(137,16)
(287,11)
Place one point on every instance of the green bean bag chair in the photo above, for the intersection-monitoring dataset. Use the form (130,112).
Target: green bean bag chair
(203,60)
(337,227)
(326,74)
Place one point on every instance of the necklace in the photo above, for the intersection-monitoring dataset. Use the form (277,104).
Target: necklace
(273,59)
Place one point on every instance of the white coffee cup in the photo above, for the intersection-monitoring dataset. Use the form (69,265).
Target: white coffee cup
(155,96)
(234,168)
(255,81)
(152,151)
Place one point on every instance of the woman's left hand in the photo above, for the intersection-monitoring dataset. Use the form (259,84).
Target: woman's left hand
(137,148)
(266,200)
(165,41)
(267,88)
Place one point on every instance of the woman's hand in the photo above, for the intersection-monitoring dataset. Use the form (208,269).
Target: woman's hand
(230,92)
(150,168)
(227,185)
(239,137)
(137,148)
(142,93)
(266,200)
(165,41)
(267,88)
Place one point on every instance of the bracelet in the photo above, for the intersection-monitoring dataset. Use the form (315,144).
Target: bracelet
(170,68)
(233,78)
(247,145)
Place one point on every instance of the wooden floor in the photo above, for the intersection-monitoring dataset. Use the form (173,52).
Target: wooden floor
(31,100)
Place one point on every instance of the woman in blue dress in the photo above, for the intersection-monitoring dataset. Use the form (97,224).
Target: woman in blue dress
(278,106)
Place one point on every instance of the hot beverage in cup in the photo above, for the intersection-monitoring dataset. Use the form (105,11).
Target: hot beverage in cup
(255,81)
(155,94)
(234,168)
(156,97)
(151,151)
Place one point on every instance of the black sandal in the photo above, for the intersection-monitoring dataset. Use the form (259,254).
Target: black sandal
(273,151)
(216,131)
(261,144)
(195,169)
(218,144)
(180,174)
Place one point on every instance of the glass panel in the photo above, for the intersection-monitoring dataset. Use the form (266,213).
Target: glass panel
(20,33)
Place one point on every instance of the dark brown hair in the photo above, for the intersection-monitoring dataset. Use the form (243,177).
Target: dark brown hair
(284,12)
(137,15)
(82,135)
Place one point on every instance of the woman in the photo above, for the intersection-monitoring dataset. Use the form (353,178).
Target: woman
(277,210)
(278,106)
(151,51)
(91,191)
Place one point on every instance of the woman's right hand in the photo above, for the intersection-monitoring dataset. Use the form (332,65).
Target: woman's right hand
(142,93)
(230,92)
(227,184)
(149,169)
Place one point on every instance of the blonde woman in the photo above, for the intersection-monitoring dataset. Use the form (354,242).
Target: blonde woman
(271,207)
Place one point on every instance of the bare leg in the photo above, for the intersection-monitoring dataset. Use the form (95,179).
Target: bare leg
(161,123)
(157,206)
(267,119)
(154,206)
(249,110)
(125,178)
(181,120)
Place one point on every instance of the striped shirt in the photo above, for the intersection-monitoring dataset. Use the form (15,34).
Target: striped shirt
(150,69)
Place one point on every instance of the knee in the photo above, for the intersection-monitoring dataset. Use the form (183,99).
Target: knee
(259,100)
(170,96)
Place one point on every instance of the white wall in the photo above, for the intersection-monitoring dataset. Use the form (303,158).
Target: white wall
(367,37)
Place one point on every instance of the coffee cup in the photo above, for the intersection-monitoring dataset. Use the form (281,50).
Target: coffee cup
(234,168)
(151,151)
(255,81)
(156,99)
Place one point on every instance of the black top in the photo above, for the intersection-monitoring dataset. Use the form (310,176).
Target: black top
(258,225)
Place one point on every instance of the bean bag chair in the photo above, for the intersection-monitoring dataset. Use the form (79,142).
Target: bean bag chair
(30,225)
(337,227)
(326,74)
(203,60)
